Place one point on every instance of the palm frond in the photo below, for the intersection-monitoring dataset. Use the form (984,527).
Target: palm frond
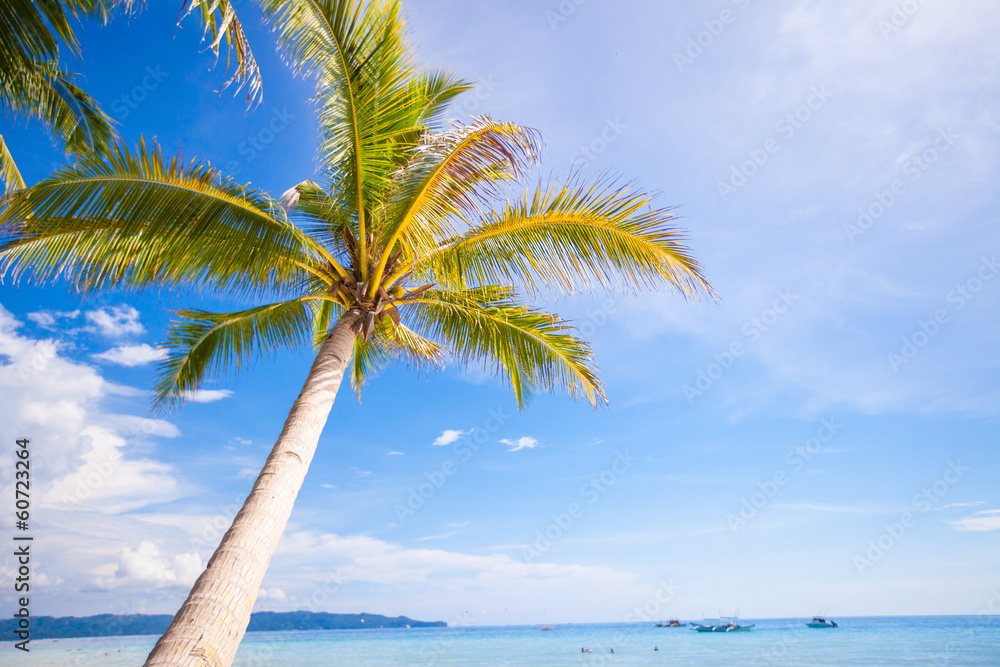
(323,218)
(201,344)
(435,90)
(391,342)
(100,10)
(221,22)
(365,91)
(8,170)
(531,349)
(452,175)
(30,32)
(44,91)
(573,237)
(326,314)
(132,220)
(371,355)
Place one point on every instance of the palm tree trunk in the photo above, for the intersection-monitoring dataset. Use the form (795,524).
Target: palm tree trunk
(212,621)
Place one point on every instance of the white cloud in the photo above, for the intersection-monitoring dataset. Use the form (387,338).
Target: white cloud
(48,319)
(360,558)
(147,564)
(105,481)
(272,594)
(449,436)
(132,355)
(57,401)
(440,536)
(978,522)
(207,395)
(525,442)
(395,454)
(116,321)
(972,504)
(133,426)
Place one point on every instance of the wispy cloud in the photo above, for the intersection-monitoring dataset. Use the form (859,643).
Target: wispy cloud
(49,319)
(370,560)
(834,509)
(979,522)
(207,395)
(116,321)
(975,503)
(132,355)
(524,442)
(395,454)
(449,436)
(442,536)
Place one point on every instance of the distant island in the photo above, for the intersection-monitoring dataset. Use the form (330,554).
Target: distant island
(111,625)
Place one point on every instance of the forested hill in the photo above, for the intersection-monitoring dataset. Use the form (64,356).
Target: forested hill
(108,625)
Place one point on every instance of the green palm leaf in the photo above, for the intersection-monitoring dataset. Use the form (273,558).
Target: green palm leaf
(373,105)
(202,344)
(434,91)
(8,170)
(221,22)
(133,220)
(392,342)
(30,31)
(453,174)
(46,92)
(531,349)
(572,237)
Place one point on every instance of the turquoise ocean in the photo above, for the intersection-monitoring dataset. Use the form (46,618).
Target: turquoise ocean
(925,640)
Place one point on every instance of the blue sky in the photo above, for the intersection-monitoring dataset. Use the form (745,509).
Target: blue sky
(821,440)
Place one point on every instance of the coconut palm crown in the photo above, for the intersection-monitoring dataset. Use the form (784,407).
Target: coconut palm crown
(411,244)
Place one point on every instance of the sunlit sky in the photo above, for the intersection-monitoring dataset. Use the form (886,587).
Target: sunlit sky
(823,439)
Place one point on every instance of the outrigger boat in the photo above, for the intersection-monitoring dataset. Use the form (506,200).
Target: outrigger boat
(820,622)
(672,623)
(731,626)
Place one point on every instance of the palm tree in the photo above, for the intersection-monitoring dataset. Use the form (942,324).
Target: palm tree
(34,85)
(415,247)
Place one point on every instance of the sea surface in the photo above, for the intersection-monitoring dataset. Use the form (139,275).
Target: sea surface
(924,640)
